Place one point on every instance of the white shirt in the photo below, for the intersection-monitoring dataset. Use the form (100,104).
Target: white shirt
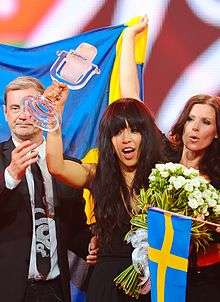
(11,183)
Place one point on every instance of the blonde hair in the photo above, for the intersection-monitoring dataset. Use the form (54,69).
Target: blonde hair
(21,83)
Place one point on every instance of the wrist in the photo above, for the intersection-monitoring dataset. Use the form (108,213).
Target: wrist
(128,33)
(12,173)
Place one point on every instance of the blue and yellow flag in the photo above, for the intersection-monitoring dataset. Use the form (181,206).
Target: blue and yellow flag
(169,239)
(96,87)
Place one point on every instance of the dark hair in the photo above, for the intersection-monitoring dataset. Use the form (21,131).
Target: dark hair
(209,163)
(109,189)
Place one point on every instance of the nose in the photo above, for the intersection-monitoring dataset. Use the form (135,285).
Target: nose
(126,137)
(23,115)
(195,125)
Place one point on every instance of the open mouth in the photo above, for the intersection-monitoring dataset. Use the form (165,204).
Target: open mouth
(128,152)
(194,138)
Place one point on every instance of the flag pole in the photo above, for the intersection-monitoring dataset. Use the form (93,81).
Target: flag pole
(187,217)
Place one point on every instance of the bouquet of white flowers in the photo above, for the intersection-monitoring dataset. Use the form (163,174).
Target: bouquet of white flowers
(178,189)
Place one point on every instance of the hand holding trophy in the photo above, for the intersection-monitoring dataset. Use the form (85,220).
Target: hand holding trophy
(71,70)
(45,110)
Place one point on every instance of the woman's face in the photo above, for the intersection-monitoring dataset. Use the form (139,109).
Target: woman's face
(200,128)
(126,144)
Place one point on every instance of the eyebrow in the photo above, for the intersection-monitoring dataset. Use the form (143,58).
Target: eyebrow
(202,117)
(14,105)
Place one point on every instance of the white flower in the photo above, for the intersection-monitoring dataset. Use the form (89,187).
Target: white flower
(170,188)
(152,177)
(207,194)
(164,174)
(212,202)
(190,172)
(200,201)
(179,182)
(217,209)
(215,195)
(188,187)
(160,167)
(193,203)
(196,193)
(172,167)
(172,179)
(196,181)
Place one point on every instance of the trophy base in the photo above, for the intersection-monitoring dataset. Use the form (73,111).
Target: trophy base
(42,111)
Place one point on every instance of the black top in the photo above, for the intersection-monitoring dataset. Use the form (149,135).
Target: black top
(118,247)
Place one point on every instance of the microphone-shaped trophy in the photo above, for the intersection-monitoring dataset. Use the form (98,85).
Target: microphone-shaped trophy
(74,68)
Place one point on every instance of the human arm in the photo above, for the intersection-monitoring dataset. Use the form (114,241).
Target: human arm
(13,164)
(129,83)
(70,172)
(22,157)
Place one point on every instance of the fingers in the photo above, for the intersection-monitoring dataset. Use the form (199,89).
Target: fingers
(138,27)
(92,259)
(24,153)
(144,21)
(24,147)
(22,157)
(218,229)
(57,93)
(93,250)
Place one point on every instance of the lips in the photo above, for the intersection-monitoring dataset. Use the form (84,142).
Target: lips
(24,125)
(128,152)
(193,138)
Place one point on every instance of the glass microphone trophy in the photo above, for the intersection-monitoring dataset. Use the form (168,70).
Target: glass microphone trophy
(74,68)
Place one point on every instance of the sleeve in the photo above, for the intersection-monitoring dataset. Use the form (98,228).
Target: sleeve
(10,182)
(5,192)
(73,215)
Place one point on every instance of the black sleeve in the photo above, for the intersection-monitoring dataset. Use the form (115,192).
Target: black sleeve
(77,231)
(5,193)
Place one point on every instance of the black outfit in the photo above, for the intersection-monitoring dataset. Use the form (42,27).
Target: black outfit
(41,291)
(203,282)
(112,261)
(16,228)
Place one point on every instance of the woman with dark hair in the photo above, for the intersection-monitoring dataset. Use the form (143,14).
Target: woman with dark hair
(129,146)
(208,108)
(195,136)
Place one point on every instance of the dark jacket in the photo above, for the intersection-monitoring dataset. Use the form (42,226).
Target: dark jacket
(16,231)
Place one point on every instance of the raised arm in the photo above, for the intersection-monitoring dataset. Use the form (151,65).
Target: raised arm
(129,83)
(72,173)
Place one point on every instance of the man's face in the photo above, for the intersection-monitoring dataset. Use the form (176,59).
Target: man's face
(20,123)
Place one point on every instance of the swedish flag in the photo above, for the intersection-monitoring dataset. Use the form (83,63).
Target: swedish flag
(169,238)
